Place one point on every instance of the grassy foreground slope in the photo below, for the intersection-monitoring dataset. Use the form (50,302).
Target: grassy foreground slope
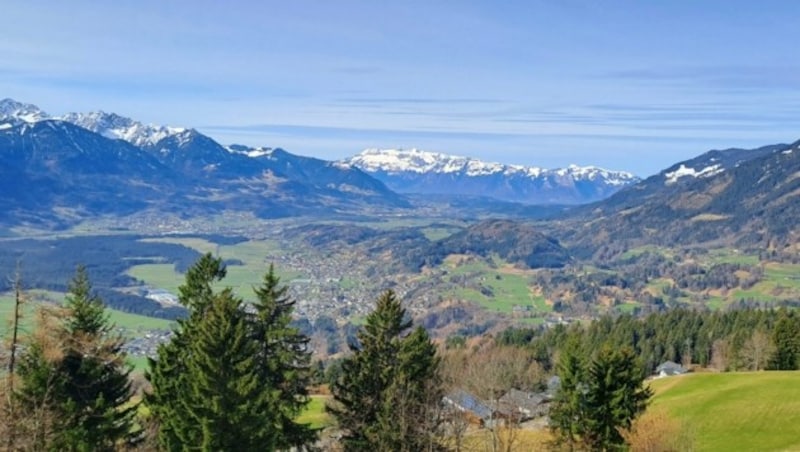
(758,411)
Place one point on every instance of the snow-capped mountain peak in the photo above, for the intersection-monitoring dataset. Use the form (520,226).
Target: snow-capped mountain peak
(13,111)
(419,161)
(114,126)
(419,171)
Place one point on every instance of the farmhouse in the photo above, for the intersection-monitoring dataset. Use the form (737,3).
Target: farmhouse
(475,410)
(669,368)
(526,405)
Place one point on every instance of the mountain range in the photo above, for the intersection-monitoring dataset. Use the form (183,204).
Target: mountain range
(58,171)
(61,169)
(417,171)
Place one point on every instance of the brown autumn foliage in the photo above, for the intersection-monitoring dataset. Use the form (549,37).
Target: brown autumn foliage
(656,431)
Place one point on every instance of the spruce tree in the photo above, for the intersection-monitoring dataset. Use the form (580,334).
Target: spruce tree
(599,398)
(85,384)
(226,397)
(384,397)
(168,373)
(568,411)
(786,337)
(614,397)
(230,378)
(283,359)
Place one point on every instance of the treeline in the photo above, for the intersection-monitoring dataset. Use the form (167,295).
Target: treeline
(749,339)
(49,265)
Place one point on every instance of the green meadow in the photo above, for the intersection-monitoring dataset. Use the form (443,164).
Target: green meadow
(131,323)
(505,287)
(314,413)
(254,256)
(747,411)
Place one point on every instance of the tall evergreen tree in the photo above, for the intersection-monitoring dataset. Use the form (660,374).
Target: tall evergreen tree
(225,397)
(283,359)
(614,397)
(786,337)
(387,384)
(568,412)
(230,378)
(86,385)
(597,399)
(169,372)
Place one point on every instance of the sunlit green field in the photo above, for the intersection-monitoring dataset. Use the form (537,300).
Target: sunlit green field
(507,288)
(255,255)
(747,411)
(131,323)
(315,414)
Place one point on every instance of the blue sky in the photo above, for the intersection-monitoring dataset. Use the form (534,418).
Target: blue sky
(634,85)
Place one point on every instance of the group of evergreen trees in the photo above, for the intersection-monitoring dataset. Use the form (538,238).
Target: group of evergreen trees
(746,339)
(71,389)
(231,378)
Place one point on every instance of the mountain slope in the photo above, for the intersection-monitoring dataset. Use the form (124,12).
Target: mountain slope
(749,201)
(57,172)
(415,171)
(51,166)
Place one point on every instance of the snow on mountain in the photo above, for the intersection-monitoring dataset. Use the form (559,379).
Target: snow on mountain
(396,161)
(417,171)
(13,111)
(418,161)
(114,126)
(683,171)
(248,151)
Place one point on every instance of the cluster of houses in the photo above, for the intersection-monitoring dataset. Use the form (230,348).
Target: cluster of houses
(520,406)
(514,405)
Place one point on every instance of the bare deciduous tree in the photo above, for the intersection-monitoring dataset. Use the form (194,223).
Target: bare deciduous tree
(756,351)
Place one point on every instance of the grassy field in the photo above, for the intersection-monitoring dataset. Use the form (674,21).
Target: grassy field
(315,414)
(506,286)
(139,363)
(255,255)
(132,323)
(735,411)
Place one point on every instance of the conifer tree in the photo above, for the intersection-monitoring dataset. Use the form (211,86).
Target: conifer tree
(614,398)
(568,411)
(283,359)
(226,398)
(168,373)
(86,385)
(786,337)
(230,379)
(387,384)
(598,400)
